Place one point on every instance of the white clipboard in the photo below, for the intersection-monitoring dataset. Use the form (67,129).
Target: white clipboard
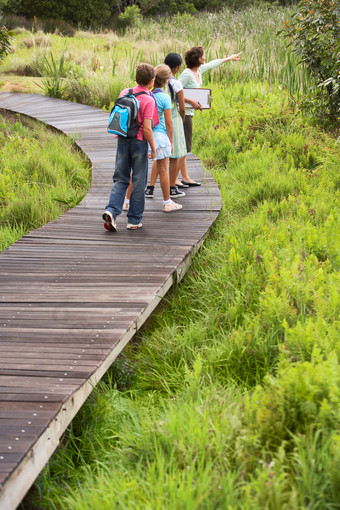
(202,96)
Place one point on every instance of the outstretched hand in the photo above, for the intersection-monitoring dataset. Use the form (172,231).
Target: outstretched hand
(236,56)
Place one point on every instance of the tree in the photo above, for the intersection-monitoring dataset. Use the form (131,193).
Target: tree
(314,34)
(86,12)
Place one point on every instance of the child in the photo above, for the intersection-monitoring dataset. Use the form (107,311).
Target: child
(192,78)
(174,61)
(132,157)
(163,136)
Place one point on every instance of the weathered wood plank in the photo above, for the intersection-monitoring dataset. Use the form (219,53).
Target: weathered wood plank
(73,295)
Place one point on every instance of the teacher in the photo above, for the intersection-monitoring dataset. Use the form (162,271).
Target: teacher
(192,78)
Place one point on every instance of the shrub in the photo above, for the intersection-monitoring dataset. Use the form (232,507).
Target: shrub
(47,25)
(84,12)
(314,34)
(55,26)
(17,23)
(131,17)
(301,397)
(5,41)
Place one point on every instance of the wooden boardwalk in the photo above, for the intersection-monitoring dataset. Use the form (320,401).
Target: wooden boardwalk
(72,295)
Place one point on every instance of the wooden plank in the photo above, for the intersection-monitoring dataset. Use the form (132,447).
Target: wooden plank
(72,295)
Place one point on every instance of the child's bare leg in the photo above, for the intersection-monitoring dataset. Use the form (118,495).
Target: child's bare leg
(154,173)
(185,176)
(184,170)
(162,170)
(174,169)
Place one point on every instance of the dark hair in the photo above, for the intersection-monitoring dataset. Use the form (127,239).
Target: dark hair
(171,90)
(144,74)
(173,60)
(193,55)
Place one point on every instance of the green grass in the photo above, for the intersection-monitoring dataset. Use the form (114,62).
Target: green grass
(230,397)
(41,176)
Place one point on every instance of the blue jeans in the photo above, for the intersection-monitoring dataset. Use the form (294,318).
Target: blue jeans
(131,159)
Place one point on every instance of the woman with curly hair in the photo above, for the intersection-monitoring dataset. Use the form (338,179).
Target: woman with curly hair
(192,78)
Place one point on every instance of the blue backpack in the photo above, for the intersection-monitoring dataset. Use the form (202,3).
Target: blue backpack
(124,115)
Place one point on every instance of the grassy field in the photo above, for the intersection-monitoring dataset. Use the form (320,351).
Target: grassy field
(41,175)
(230,398)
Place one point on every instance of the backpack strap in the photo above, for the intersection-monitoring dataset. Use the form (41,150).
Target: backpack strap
(131,93)
(155,91)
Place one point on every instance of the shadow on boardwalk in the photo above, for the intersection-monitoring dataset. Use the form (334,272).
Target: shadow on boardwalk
(72,295)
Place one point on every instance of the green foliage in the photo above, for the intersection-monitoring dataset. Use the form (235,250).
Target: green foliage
(314,33)
(131,17)
(99,12)
(231,397)
(41,175)
(93,89)
(93,57)
(304,397)
(192,6)
(5,40)
(53,74)
(47,25)
(84,12)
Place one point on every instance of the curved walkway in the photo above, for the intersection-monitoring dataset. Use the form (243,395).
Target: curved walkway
(72,295)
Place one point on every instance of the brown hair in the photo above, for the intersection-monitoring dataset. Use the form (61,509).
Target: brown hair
(144,74)
(163,73)
(193,55)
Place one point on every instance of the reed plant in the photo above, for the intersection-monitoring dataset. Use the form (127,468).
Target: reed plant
(53,75)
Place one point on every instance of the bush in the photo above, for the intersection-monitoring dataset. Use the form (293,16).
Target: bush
(86,12)
(55,26)
(301,397)
(5,41)
(131,17)
(47,25)
(314,34)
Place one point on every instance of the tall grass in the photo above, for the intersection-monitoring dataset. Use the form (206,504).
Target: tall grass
(41,175)
(53,76)
(98,57)
(230,398)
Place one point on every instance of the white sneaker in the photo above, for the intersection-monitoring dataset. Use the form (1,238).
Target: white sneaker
(110,223)
(132,226)
(126,206)
(171,207)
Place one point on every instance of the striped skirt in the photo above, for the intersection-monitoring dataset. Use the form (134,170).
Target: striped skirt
(180,148)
